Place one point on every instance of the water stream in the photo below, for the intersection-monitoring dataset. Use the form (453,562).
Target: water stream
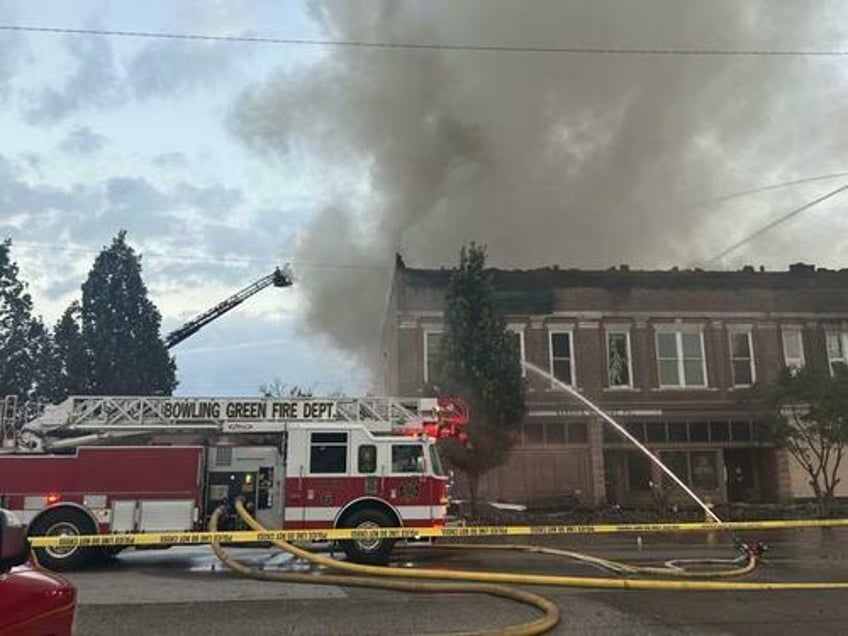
(591,405)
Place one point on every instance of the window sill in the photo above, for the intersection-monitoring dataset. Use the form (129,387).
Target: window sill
(685,388)
(621,389)
(558,389)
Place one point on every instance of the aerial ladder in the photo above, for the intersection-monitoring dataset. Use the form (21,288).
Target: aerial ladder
(86,420)
(278,278)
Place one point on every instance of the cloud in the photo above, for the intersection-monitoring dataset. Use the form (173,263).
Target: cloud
(38,202)
(171,160)
(94,83)
(192,235)
(82,141)
(177,67)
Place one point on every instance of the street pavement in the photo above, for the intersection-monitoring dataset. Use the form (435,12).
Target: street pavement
(186,591)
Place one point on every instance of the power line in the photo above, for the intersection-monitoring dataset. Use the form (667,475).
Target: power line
(777,222)
(433,46)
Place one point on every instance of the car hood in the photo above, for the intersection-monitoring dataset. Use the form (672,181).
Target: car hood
(28,594)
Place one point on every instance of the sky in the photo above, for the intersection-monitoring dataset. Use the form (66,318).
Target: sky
(222,160)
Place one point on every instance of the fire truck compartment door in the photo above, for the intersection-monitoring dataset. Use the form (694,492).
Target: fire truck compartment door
(166,516)
(123,516)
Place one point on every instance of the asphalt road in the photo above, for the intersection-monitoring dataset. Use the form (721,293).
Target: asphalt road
(186,591)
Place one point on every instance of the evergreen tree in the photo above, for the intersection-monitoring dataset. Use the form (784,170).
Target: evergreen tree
(25,346)
(120,329)
(479,361)
(69,352)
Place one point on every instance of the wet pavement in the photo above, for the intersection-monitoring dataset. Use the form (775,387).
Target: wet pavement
(186,591)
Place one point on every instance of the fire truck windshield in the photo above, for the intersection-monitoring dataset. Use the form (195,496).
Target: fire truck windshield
(436,461)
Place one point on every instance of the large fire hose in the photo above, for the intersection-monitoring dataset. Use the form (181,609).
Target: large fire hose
(378,581)
(743,564)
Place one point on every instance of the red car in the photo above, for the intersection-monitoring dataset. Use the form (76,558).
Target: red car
(33,602)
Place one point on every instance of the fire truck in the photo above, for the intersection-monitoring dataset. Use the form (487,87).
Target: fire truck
(161,464)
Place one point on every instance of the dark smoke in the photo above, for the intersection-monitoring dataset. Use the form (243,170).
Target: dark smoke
(580,160)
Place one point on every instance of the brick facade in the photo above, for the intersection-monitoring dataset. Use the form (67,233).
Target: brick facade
(679,326)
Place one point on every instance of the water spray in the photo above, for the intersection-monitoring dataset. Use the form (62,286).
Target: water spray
(586,401)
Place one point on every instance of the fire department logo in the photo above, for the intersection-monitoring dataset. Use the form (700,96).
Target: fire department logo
(410,489)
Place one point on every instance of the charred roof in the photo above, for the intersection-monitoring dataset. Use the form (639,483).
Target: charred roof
(799,275)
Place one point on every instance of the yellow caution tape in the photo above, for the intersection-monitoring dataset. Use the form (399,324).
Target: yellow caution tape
(454,532)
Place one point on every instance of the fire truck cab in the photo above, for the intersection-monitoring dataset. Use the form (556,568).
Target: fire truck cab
(165,464)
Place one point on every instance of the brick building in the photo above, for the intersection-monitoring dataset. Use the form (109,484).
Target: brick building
(668,353)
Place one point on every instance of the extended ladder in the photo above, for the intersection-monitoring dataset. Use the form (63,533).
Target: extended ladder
(105,413)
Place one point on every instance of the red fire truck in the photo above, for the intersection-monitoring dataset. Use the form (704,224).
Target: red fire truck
(160,464)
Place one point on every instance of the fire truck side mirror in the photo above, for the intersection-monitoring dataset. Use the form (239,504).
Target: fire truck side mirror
(14,548)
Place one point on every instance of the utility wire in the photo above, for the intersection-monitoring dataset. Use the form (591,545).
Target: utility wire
(433,46)
(777,222)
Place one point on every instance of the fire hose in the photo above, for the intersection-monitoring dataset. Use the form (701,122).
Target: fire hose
(675,568)
(538,626)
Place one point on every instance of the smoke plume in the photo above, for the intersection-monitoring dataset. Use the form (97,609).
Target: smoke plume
(584,160)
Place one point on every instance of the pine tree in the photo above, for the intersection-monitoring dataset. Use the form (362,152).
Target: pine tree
(70,354)
(120,329)
(479,361)
(25,346)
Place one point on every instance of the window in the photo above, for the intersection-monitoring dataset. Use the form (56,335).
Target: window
(636,429)
(698,469)
(680,358)
(556,433)
(562,356)
(677,432)
(577,433)
(740,431)
(698,432)
(517,331)
(678,463)
(367,458)
(533,433)
(704,466)
(436,461)
(407,458)
(793,349)
(638,471)
(741,358)
(619,369)
(328,453)
(432,342)
(655,432)
(836,349)
(719,431)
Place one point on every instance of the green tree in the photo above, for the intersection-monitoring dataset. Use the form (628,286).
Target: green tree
(25,345)
(120,328)
(479,361)
(810,410)
(72,359)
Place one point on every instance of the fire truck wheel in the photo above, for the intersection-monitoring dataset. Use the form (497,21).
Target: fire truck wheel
(370,552)
(58,523)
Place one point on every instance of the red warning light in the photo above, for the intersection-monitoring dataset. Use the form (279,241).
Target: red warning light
(53,497)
